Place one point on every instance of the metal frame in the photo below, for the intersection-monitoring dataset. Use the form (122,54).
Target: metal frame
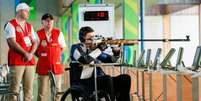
(157,59)
(167,58)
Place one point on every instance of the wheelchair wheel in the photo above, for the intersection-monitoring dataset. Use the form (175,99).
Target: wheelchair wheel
(75,93)
(53,86)
(102,96)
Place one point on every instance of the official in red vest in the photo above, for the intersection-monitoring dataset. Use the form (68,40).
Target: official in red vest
(51,43)
(22,44)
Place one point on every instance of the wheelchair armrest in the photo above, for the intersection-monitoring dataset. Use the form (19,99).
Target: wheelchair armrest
(67,69)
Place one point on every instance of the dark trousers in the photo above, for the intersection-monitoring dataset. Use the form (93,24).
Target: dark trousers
(122,85)
(117,87)
(104,83)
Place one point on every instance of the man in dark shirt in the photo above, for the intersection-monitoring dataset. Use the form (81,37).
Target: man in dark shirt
(85,53)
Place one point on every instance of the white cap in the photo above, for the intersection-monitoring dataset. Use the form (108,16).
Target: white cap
(22,6)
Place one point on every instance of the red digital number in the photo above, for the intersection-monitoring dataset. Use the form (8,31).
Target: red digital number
(100,14)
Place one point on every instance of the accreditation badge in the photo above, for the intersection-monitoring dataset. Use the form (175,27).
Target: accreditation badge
(54,44)
(44,43)
(43,54)
(27,41)
(18,29)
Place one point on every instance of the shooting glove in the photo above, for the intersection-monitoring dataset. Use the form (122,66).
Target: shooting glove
(102,46)
(116,51)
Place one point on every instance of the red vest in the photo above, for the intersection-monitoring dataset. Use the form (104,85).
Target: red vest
(15,58)
(49,53)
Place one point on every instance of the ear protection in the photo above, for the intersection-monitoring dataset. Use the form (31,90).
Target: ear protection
(81,35)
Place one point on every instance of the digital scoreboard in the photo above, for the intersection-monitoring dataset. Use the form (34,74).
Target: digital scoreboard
(96,16)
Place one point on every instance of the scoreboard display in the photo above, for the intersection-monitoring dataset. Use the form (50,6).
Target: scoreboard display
(96,16)
(100,17)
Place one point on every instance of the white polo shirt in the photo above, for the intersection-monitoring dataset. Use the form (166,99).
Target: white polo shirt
(10,31)
(61,39)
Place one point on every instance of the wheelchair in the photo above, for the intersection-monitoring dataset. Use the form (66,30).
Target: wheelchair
(77,92)
(53,88)
(5,81)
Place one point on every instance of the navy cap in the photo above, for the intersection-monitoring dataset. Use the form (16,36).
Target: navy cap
(47,15)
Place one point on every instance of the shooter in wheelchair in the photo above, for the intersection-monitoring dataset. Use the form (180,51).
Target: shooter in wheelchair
(82,79)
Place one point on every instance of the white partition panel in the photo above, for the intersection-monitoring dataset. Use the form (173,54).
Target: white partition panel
(181,26)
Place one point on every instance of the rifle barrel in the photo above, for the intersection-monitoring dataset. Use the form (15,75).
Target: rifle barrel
(166,40)
(135,41)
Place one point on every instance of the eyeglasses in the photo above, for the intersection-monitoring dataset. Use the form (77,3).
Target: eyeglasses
(90,39)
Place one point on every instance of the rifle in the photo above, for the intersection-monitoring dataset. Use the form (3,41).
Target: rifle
(111,41)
